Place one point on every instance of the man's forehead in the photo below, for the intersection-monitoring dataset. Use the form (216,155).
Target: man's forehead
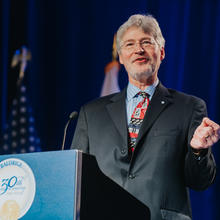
(134,32)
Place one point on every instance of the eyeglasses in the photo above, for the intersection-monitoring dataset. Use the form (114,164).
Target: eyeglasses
(131,45)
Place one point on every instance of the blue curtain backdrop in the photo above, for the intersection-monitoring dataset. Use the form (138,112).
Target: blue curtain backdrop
(71,42)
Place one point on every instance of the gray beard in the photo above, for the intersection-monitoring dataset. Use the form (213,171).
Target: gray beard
(143,75)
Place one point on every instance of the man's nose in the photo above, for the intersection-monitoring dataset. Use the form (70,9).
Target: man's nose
(138,48)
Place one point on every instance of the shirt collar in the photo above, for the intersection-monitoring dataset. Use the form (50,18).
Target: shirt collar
(133,90)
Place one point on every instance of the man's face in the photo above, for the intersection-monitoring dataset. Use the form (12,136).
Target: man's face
(141,55)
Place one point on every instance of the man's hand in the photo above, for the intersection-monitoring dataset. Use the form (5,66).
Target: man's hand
(206,134)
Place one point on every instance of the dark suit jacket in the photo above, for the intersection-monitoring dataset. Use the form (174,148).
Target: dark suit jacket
(163,165)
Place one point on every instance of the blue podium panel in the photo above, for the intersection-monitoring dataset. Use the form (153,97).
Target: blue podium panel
(38,185)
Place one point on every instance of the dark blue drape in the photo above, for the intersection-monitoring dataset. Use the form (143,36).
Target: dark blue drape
(4,7)
(71,42)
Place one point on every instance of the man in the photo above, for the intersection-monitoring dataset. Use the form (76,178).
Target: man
(153,141)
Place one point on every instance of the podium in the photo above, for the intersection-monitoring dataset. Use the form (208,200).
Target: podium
(62,185)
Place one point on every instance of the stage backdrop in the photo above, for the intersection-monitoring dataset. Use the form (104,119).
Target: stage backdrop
(71,42)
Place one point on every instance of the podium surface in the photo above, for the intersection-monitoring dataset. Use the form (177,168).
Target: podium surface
(54,174)
(63,185)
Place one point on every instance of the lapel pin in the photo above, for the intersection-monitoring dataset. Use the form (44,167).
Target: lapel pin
(162,102)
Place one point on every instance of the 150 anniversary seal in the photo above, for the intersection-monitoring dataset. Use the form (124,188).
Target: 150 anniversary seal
(17,188)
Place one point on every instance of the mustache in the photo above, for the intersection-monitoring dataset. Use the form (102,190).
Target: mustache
(141,58)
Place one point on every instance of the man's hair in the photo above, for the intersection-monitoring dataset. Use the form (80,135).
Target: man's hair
(147,23)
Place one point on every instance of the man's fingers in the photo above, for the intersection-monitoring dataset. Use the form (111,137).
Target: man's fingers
(203,132)
(202,143)
(206,134)
(207,122)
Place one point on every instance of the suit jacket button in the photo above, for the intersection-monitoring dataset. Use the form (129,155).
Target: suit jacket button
(131,176)
(123,151)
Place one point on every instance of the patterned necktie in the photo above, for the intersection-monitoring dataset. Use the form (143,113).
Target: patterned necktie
(136,121)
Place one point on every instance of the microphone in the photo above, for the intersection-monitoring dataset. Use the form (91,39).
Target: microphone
(72,116)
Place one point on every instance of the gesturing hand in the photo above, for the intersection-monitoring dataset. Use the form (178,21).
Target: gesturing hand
(206,134)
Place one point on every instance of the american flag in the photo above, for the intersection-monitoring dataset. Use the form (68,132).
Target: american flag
(110,84)
(19,135)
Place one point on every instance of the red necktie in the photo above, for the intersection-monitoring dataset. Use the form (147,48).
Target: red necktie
(136,121)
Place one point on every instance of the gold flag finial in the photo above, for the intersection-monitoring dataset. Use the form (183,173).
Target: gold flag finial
(114,50)
(21,56)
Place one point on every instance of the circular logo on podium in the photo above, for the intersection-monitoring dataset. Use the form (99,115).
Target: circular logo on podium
(17,188)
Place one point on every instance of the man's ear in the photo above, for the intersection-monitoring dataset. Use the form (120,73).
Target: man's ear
(120,59)
(162,53)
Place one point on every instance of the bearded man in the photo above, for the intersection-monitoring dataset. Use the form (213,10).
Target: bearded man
(153,141)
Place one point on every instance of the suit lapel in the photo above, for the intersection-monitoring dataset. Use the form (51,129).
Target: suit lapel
(117,111)
(160,100)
